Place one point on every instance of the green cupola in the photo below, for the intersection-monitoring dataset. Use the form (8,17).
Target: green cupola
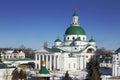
(43,69)
(75,28)
(91,40)
(75,14)
(58,40)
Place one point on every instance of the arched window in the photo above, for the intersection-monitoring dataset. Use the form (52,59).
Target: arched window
(67,38)
(83,38)
(73,38)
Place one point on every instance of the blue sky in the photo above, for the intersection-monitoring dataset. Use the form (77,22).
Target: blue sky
(32,22)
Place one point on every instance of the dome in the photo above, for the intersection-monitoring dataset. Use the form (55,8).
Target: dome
(92,40)
(58,40)
(75,30)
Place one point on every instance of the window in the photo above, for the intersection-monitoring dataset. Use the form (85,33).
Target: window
(67,38)
(86,56)
(83,38)
(73,38)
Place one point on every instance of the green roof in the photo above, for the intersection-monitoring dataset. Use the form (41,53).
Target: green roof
(91,40)
(54,49)
(57,40)
(75,30)
(78,39)
(2,65)
(75,14)
(44,70)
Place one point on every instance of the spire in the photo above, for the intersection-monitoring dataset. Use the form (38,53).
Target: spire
(75,10)
(75,17)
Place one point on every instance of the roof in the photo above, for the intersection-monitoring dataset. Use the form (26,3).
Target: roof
(78,39)
(118,50)
(91,40)
(75,14)
(43,50)
(44,70)
(58,40)
(75,30)
(2,66)
(54,49)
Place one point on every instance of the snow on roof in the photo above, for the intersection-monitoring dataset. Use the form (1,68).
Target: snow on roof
(42,50)
(9,52)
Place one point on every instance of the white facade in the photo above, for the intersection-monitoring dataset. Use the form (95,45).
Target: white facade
(71,54)
(116,65)
(12,54)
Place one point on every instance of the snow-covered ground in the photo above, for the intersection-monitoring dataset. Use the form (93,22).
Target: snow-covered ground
(77,75)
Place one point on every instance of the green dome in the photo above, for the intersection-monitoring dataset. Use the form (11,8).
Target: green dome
(75,30)
(75,14)
(58,40)
(91,40)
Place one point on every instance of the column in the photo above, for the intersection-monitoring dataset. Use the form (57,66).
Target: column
(43,57)
(58,65)
(77,61)
(81,62)
(50,62)
(84,61)
(36,61)
(47,61)
(54,62)
(39,62)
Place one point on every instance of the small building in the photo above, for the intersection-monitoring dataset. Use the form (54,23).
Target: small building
(43,73)
(5,72)
(116,63)
(12,54)
(105,61)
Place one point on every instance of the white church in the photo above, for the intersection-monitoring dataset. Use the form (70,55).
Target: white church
(73,53)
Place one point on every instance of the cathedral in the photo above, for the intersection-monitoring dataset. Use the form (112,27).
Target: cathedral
(72,53)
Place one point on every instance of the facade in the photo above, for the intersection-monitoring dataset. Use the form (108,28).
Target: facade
(5,72)
(12,54)
(105,61)
(73,53)
(116,63)
(43,73)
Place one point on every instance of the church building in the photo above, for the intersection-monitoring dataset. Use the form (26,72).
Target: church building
(73,53)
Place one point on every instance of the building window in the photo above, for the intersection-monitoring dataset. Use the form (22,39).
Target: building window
(86,56)
(73,38)
(37,57)
(67,38)
(83,38)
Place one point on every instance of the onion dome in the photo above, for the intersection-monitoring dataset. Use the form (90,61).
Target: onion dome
(43,69)
(91,40)
(75,28)
(58,40)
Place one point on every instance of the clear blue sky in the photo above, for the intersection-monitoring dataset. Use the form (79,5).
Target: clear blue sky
(32,22)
